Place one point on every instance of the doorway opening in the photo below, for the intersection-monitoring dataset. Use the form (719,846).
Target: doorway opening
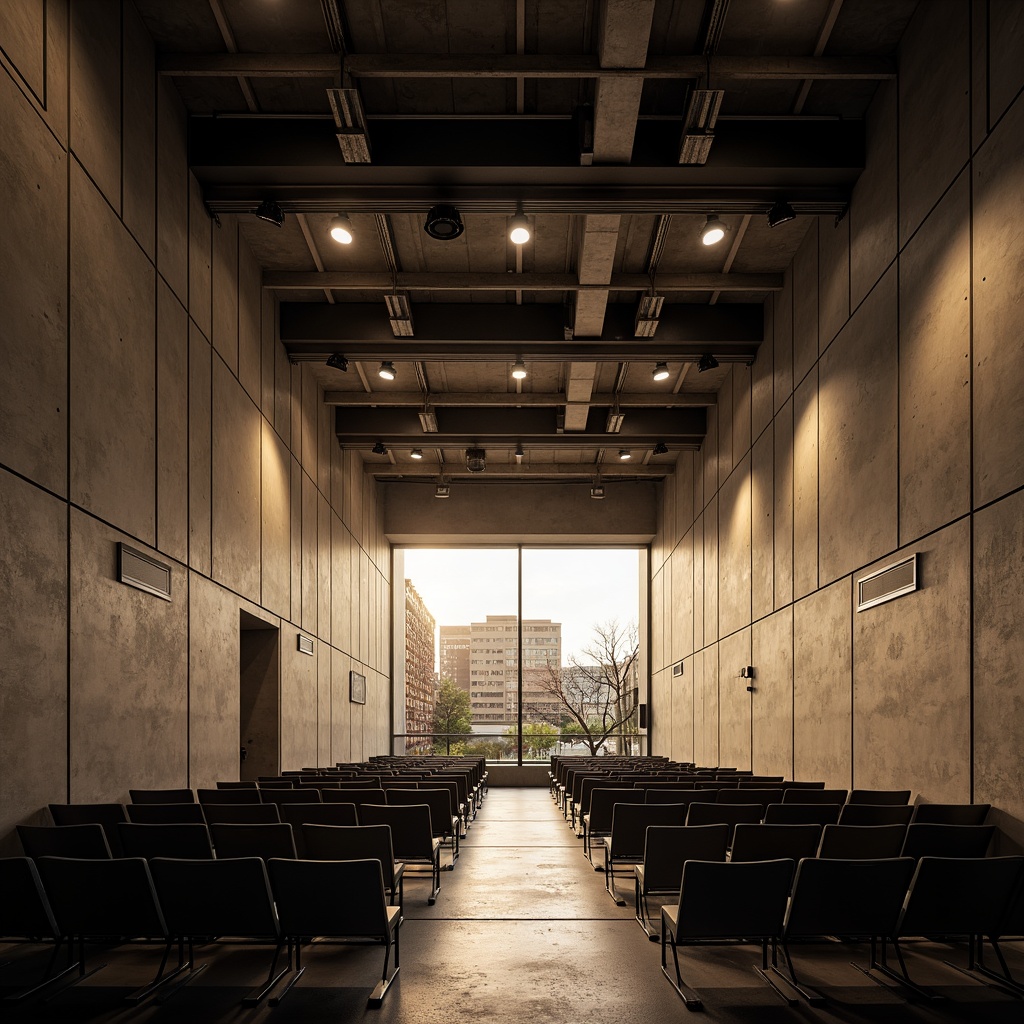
(259,698)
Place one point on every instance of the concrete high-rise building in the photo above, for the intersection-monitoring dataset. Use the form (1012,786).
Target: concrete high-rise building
(420,678)
(454,655)
(494,670)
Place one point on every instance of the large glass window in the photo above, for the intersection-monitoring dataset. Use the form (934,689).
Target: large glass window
(518,653)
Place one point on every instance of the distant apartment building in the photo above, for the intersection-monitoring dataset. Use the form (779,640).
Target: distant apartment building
(420,679)
(494,670)
(454,655)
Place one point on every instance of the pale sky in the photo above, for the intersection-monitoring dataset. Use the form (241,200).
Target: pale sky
(576,587)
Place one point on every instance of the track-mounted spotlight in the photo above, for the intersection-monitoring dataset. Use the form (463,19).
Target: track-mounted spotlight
(269,211)
(713,231)
(443,491)
(341,229)
(780,213)
(416,453)
(625,455)
(519,454)
(707,362)
(338,362)
(660,372)
(597,491)
(387,370)
(519,227)
(476,460)
(379,449)
(519,369)
(660,449)
(443,222)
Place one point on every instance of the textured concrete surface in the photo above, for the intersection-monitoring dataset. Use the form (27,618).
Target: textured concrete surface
(724,420)
(772,705)
(1005,38)
(805,486)
(782,339)
(833,278)
(138,156)
(225,291)
(935,369)
(823,686)
(680,600)
(200,437)
(782,510)
(275,523)
(762,526)
(298,702)
(734,701)
(734,554)
(711,554)
(762,374)
(805,303)
(741,376)
(171,424)
(682,713)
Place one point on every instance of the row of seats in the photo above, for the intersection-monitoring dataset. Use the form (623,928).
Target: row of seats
(280,902)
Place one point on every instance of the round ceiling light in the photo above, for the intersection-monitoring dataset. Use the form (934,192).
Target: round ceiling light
(660,371)
(341,229)
(714,231)
(443,222)
(519,369)
(387,371)
(519,227)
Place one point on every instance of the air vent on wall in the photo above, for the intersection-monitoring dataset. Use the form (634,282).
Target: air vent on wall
(886,583)
(305,644)
(139,570)
(677,669)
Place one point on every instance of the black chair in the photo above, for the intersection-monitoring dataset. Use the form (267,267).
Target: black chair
(362,842)
(244,814)
(240,795)
(148,841)
(220,897)
(801,814)
(861,842)
(355,796)
(443,821)
(845,898)
(626,841)
(236,785)
(166,814)
(598,822)
(724,814)
(298,815)
(411,836)
(666,849)
(751,795)
(341,899)
(107,815)
(672,795)
(879,796)
(26,916)
(950,814)
(875,814)
(813,796)
(290,796)
(928,840)
(772,842)
(112,899)
(264,841)
(162,796)
(744,901)
(83,841)
(965,896)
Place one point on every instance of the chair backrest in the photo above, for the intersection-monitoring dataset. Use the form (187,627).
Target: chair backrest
(672,795)
(236,785)
(950,814)
(861,842)
(801,814)
(25,911)
(162,796)
(959,895)
(875,814)
(438,800)
(264,841)
(631,821)
(245,814)
(668,847)
(107,815)
(750,795)
(813,796)
(330,897)
(354,796)
(361,842)
(602,803)
(102,897)
(318,814)
(928,840)
(771,842)
(308,795)
(228,896)
(352,783)
(847,897)
(228,796)
(166,814)
(64,841)
(724,814)
(189,841)
(412,834)
(879,796)
(727,901)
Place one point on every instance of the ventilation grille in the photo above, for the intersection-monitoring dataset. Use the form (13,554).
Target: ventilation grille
(141,571)
(885,584)
(677,669)
(305,644)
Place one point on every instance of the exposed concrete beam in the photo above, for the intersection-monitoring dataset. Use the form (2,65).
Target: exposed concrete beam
(613,470)
(439,282)
(531,399)
(383,65)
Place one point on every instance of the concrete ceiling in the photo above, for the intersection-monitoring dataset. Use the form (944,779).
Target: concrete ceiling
(592,114)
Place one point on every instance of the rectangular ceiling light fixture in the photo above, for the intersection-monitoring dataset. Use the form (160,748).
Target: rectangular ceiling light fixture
(353,139)
(399,314)
(614,422)
(700,124)
(428,421)
(647,314)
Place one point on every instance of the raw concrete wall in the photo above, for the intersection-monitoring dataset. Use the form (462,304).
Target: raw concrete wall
(145,399)
(882,417)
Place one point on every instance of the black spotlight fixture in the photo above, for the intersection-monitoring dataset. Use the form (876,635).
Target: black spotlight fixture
(379,449)
(443,222)
(269,211)
(338,362)
(707,362)
(476,460)
(661,448)
(780,213)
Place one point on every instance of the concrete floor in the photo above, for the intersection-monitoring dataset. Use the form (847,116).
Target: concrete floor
(522,932)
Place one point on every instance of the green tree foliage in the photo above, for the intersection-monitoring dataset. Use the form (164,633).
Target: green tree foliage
(452,715)
(539,739)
